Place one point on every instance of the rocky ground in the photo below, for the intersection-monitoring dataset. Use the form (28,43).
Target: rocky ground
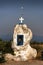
(30,62)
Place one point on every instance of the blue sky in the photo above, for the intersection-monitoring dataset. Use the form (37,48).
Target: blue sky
(10,11)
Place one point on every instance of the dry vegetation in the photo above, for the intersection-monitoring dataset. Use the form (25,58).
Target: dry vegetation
(39,47)
(5,47)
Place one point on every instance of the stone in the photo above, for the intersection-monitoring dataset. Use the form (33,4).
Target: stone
(8,56)
(23,51)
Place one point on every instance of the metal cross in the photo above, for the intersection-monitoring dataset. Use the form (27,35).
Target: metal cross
(21,19)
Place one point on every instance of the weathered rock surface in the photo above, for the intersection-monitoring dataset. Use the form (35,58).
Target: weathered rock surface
(24,52)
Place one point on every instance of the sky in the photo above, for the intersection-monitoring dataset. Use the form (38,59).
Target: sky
(10,11)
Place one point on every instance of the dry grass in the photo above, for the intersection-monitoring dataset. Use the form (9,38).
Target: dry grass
(30,62)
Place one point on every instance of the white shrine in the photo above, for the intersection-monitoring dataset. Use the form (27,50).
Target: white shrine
(21,42)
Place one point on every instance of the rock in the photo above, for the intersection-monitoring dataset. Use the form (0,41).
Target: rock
(23,52)
(8,56)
